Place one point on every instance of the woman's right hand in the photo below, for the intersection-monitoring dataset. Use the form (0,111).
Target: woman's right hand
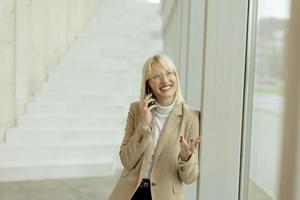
(145,111)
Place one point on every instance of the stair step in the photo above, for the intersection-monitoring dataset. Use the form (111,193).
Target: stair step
(65,136)
(99,67)
(106,64)
(77,68)
(47,121)
(55,170)
(87,79)
(89,84)
(76,108)
(83,92)
(102,98)
(87,61)
(96,90)
(112,55)
(14,155)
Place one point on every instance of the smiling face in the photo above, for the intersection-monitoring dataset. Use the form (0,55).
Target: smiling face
(163,83)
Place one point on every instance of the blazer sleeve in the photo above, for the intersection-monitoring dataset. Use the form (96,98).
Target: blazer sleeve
(189,170)
(135,141)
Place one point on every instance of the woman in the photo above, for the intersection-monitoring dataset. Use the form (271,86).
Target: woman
(159,150)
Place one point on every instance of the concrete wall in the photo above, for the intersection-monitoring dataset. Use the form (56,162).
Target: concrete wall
(207,40)
(34,35)
(290,163)
(223,98)
(7,63)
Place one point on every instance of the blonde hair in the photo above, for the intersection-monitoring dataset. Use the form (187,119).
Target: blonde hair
(167,63)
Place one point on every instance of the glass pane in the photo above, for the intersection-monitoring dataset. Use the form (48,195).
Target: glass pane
(268,100)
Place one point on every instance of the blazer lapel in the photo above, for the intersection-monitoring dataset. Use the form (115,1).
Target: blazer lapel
(169,128)
(149,150)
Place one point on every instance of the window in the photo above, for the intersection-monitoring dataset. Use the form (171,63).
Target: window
(266,119)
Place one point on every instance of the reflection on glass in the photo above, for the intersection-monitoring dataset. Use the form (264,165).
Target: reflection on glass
(268,100)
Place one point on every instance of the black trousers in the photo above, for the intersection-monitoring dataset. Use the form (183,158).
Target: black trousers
(143,192)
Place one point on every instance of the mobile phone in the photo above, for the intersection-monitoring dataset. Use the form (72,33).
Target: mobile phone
(148,91)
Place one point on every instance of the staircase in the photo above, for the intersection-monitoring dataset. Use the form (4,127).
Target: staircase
(73,127)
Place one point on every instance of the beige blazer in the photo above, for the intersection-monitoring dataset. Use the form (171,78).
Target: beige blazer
(168,172)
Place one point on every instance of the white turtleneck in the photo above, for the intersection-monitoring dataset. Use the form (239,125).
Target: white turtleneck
(161,113)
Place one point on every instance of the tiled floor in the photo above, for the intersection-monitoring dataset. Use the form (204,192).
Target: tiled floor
(59,189)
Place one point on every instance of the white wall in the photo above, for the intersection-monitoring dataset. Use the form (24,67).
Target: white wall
(183,41)
(222,104)
(34,35)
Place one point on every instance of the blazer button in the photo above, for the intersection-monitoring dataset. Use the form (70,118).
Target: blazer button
(182,168)
(140,140)
(153,184)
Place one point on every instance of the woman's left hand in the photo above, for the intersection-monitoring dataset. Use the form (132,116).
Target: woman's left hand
(187,149)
